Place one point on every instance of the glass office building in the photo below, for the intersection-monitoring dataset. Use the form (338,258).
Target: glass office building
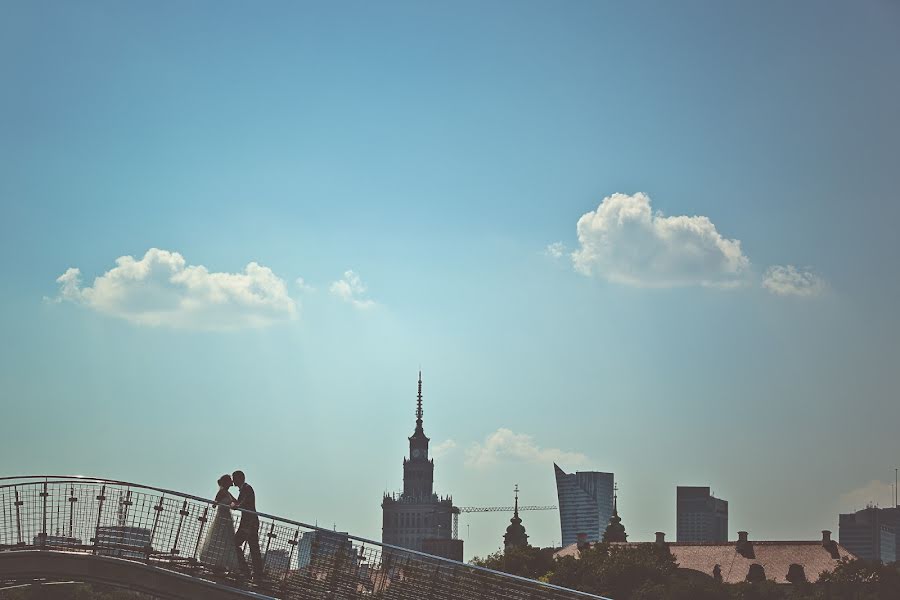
(585,504)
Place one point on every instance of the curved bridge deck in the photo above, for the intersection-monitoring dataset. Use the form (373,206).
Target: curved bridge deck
(164,543)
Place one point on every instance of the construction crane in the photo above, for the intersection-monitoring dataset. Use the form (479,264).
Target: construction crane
(484,509)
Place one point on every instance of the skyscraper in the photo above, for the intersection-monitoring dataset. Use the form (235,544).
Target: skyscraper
(585,504)
(700,516)
(870,533)
(418,518)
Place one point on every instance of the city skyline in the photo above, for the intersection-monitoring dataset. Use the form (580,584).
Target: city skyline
(652,240)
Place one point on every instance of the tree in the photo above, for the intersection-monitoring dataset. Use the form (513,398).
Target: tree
(861,580)
(526,561)
(616,571)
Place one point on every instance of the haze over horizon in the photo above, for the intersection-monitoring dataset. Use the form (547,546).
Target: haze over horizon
(652,239)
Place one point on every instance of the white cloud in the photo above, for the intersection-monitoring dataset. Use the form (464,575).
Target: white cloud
(555,250)
(351,289)
(303,286)
(506,445)
(443,449)
(874,492)
(788,280)
(161,289)
(624,241)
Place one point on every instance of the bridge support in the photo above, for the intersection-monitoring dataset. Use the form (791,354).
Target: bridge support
(29,565)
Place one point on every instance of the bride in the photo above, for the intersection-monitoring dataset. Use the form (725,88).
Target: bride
(218,551)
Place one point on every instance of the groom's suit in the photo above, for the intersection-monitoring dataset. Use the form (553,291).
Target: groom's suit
(248,531)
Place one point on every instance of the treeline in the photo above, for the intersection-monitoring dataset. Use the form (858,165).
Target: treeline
(649,572)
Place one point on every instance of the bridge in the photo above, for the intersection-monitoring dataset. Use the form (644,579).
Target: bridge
(169,544)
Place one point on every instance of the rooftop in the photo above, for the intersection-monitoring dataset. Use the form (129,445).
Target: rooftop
(734,559)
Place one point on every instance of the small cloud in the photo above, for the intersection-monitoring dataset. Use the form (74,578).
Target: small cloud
(555,250)
(506,445)
(351,289)
(301,285)
(162,290)
(624,241)
(787,280)
(443,449)
(875,492)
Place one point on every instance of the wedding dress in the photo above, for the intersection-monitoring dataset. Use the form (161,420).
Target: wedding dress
(218,551)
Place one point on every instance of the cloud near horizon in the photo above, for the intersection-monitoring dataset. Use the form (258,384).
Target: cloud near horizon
(351,289)
(162,290)
(625,241)
(506,445)
(875,492)
(555,250)
(788,280)
(443,449)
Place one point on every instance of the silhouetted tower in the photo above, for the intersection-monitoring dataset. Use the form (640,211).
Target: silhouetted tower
(418,469)
(515,536)
(417,518)
(615,531)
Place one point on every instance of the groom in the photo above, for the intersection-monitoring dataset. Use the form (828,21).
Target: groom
(248,530)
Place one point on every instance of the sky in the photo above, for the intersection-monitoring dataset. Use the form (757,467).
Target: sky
(651,238)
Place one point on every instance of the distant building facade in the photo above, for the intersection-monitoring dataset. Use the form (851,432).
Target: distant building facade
(321,547)
(123,541)
(56,541)
(585,504)
(870,533)
(277,562)
(417,518)
(701,517)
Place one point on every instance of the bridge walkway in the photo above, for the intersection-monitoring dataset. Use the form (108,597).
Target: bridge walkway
(168,544)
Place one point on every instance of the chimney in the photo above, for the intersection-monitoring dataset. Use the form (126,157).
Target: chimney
(660,538)
(830,545)
(582,541)
(743,546)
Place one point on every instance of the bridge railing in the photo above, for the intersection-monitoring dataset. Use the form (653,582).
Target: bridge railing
(193,535)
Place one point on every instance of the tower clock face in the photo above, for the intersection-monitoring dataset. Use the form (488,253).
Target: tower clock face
(416,453)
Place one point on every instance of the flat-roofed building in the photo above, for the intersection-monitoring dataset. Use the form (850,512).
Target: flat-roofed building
(700,516)
(870,533)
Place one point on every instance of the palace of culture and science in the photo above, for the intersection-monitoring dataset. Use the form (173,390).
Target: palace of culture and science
(418,518)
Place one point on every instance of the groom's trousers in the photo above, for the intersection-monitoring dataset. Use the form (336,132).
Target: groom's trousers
(249,532)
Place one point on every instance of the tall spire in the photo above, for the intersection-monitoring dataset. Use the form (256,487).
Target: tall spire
(419,405)
(516,509)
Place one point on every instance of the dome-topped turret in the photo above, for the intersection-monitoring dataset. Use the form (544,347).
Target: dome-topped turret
(515,536)
(615,531)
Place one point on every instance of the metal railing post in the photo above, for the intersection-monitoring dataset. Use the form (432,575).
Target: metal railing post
(183,512)
(202,520)
(44,496)
(271,536)
(72,501)
(124,507)
(19,503)
(293,544)
(158,508)
(101,498)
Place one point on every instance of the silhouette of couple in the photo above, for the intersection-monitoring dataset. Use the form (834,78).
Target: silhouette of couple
(222,550)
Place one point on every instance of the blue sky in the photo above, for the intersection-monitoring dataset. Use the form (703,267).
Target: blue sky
(445,154)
